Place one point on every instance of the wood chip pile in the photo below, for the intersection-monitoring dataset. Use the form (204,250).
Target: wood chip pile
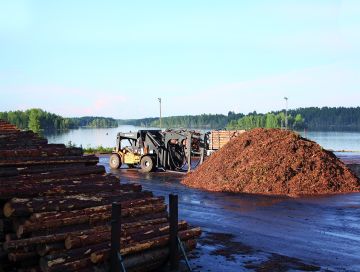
(273,161)
(55,209)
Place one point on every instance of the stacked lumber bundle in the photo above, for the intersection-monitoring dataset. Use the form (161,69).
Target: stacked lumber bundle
(55,211)
(219,138)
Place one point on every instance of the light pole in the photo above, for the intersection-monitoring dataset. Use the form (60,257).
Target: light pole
(286,110)
(160,112)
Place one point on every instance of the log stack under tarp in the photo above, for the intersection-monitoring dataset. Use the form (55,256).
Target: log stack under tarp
(55,211)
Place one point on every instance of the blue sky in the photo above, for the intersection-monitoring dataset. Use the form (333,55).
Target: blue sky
(114,58)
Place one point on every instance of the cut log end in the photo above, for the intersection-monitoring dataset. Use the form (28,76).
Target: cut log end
(20,231)
(97,257)
(8,209)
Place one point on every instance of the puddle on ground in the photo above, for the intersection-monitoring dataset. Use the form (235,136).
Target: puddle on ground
(245,257)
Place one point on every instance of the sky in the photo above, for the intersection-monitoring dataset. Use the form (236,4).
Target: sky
(115,58)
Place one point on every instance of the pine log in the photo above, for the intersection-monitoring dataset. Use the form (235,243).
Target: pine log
(40,152)
(77,265)
(33,241)
(20,256)
(87,218)
(142,258)
(36,169)
(63,179)
(62,260)
(27,191)
(127,229)
(76,241)
(139,224)
(154,259)
(46,216)
(60,236)
(60,171)
(49,248)
(158,242)
(49,160)
(81,228)
(25,207)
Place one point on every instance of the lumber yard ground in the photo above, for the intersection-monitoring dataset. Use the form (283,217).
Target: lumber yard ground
(263,233)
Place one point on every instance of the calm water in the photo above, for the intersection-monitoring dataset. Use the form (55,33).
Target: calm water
(90,137)
(349,141)
(93,137)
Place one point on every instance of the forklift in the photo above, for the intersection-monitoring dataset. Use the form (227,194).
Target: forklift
(157,149)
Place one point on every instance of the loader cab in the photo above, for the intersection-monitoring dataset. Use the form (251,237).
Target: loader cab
(126,139)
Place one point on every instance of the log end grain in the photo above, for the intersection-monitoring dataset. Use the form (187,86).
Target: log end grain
(8,209)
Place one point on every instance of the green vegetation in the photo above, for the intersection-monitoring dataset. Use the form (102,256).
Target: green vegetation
(98,149)
(269,120)
(330,119)
(206,121)
(94,122)
(38,120)
(92,150)
(143,122)
(314,119)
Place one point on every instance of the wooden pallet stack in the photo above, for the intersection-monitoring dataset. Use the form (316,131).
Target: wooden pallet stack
(219,138)
(55,209)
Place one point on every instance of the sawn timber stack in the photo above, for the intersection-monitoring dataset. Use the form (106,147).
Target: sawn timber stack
(55,209)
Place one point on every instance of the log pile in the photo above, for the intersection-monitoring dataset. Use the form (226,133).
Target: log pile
(55,209)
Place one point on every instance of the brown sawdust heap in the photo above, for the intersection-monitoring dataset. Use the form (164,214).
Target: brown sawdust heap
(273,161)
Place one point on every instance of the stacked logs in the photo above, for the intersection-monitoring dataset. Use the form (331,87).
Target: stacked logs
(219,138)
(55,209)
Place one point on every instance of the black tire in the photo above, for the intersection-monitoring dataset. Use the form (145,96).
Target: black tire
(115,161)
(147,164)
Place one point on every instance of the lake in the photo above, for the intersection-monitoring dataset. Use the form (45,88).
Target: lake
(93,137)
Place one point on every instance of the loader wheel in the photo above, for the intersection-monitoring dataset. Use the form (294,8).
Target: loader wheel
(115,161)
(146,164)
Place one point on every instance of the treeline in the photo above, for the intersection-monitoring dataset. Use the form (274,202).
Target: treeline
(94,122)
(143,122)
(314,118)
(38,119)
(204,121)
(269,120)
(330,118)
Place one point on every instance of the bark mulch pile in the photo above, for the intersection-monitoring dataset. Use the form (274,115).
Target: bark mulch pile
(273,161)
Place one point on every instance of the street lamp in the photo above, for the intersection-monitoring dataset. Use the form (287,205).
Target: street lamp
(286,110)
(160,112)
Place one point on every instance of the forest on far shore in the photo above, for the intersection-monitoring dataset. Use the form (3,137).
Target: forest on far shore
(38,119)
(313,119)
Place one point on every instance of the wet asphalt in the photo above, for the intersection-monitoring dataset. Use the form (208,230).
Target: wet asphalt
(243,232)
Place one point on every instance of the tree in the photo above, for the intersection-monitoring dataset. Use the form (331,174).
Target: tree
(34,121)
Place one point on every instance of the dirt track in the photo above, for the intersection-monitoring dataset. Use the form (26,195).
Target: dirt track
(264,233)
